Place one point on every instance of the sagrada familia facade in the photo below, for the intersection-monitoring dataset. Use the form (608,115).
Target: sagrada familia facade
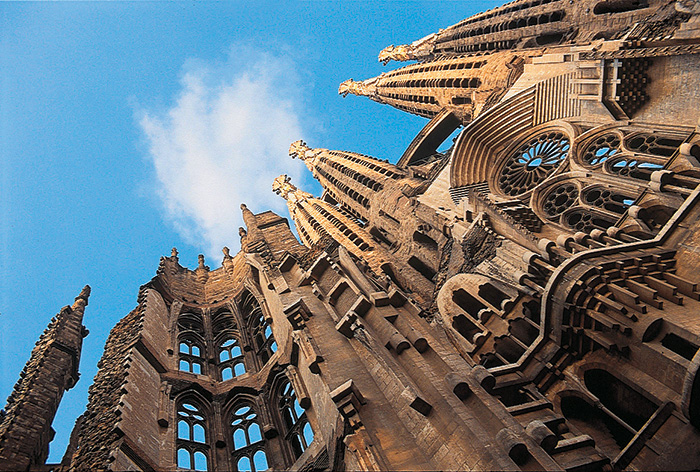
(526,300)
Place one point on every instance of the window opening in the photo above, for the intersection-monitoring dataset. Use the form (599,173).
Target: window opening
(299,432)
(259,327)
(191,437)
(231,359)
(191,359)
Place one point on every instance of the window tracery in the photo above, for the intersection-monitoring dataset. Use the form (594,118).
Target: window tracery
(259,327)
(231,359)
(249,447)
(602,149)
(299,433)
(192,447)
(560,199)
(533,162)
(191,358)
(588,219)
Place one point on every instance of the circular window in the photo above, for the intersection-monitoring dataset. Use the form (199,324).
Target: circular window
(601,149)
(560,199)
(533,162)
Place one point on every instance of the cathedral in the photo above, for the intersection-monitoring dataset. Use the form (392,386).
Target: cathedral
(522,300)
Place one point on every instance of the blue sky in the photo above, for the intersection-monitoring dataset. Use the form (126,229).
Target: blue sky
(127,128)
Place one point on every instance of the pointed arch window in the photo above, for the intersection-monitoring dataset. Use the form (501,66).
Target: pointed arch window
(192,447)
(248,444)
(298,430)
(231,359)
(260,328)
(191,355)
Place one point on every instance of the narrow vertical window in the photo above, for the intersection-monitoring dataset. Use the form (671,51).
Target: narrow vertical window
(231,359)
(191,359)
(260,328)
(248,444)
(191,437)
(298,430)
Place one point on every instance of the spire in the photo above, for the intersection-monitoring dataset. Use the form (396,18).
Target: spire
(283,186)
(419,49)
(52,369)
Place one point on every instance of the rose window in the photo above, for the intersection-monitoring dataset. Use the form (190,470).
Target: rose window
(602,149)
(533,162)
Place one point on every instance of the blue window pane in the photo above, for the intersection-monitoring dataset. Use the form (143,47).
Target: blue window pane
(184,366)
(196,368)
(224,356)
(183,430)
(308,433)
(239,369)
(236,351)
(184,348)
(239,439)
(199,433)
(226,374)
(243,465)
(200,461)
(260,461)
(254,433)
(183,459)
(268,332)
(297,408)
(195,351)
(273,347)
(228,343)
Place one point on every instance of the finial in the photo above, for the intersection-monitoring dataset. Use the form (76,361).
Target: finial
(298,149)
(201,261)
(227,252)
(82,298)
(350,86)
(242,232)
(84,294)
(407,52)
(282,186)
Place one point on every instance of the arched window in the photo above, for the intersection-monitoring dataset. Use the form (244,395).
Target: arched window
(191,355)
(298,430)
(248,444)
(231,359)
(191,441)
(259,327)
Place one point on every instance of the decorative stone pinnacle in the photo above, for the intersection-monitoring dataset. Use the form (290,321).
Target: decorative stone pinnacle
(84,294)
(201,262)
(407,52)
(282,186)
(363,89)
(227,252)
(299,149)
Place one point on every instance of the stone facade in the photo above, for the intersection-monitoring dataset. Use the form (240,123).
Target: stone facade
(525,300)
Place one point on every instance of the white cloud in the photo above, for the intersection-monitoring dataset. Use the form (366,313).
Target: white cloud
(222,142)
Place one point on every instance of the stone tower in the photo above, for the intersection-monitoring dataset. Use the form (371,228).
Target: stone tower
(25,427)
(524,298)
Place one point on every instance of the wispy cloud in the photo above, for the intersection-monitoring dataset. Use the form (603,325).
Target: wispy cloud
(222,142)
